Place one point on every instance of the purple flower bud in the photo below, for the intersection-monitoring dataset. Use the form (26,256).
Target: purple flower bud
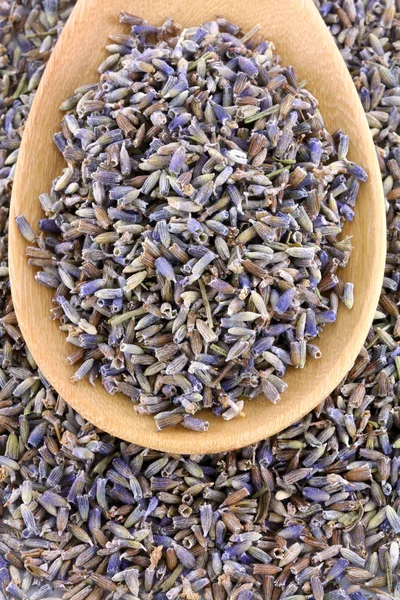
(113,565)
(161,65)
(199,35)
(248,66)
(177,160)
(144,29)
(337,570)
(327,316)
(358,596)
(292,532)
(357,171)
(278,328)
(165,268)
(262,345)
(116,214)
(285,301)
(179,121)
(315,150)
(346,211)
(49,226)
(315,495)
(222,115)
(185,556)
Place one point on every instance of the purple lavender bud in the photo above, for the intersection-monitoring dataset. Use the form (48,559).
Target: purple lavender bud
(358,596)
(313,282)
(77,487)
(163,540)
(121,494)
(262,48)
(338,182)
(37,434)
(297,194)
(308,180)
(163,66)
(262,345)
(315,494)
(385,444)
(165,268)
(179,121)
(199,35)
(153,503)
(217,227)
(327,316)
(336,415)
(177,160)
(117,305)
(107,371)
(49,226)
(291,532)
(244,281)
(326,8)
(208,359)
(113,565)
(144,29)
(83,507)
(194,226)
(285,301)
(346,211)
(248,66)
(324,258)
(287,221)
(185,556)
(222,115)
(278,329)
(236,550)
(60,141)
(315,150)
(204,193)
(357,171)
(108,293)
(116,214)
(196,383)
(15,591)
(159,215)
(395,470)
(220,531)
(352,193)
(356,486)
(320,221)
(282,354)
(88,340)
(337,570)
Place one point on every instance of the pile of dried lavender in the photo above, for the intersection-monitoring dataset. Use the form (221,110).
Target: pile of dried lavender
(198,222)
(91,517)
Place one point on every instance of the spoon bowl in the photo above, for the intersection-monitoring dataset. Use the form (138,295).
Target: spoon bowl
(302,40)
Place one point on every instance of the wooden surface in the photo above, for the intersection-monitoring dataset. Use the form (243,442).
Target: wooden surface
(302,40)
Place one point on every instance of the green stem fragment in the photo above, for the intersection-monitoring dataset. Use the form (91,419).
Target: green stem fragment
(264,113)
(169,582)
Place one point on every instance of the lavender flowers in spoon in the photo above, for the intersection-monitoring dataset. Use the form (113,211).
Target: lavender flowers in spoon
(194,238)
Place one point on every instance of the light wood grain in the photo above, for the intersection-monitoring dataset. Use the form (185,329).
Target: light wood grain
(303,41)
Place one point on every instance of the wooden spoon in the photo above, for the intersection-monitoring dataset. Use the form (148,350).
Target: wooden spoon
(303,41)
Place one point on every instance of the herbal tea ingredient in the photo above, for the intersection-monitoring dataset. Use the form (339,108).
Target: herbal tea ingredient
(312,512)
(194,238)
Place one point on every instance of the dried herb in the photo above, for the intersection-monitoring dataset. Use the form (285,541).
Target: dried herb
(76,480)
